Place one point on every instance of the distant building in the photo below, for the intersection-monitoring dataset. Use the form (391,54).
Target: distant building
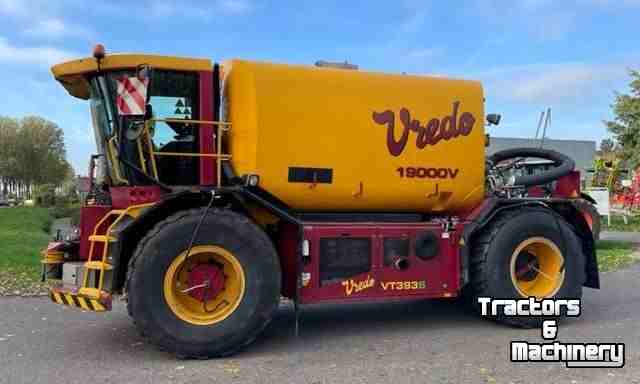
(582,152)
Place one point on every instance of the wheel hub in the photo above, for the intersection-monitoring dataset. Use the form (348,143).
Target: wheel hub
(205,281)
(206,287)
(527,266)
(537,268)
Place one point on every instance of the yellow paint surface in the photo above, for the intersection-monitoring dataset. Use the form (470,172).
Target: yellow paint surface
(293,116)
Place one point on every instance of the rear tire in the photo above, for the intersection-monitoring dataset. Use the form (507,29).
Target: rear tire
(546,241)
(171,318)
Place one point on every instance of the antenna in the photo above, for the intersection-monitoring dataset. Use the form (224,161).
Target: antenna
(547,123)
(539,124)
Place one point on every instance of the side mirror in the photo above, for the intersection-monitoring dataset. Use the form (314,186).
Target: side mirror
(493,118)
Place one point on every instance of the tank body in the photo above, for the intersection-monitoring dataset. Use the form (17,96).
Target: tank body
(325,139)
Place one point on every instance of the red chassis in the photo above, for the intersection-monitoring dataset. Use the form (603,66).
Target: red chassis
(385,260)
(340,260)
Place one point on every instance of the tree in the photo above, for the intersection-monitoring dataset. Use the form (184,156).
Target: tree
(32,153)
(41,153)
(607,145)
(626,125)
(8,138)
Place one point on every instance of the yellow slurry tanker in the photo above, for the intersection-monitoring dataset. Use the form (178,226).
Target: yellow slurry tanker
(217,189)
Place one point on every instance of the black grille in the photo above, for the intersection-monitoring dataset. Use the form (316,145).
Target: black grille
(343,257)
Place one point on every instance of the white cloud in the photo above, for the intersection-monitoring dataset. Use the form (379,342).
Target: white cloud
(48,27)
(38,19)
(544,19)
(54,28)
(41,55)
(546,83)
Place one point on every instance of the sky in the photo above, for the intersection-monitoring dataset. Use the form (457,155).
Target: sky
(569,55)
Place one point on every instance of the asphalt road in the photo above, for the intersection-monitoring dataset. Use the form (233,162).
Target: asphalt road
(632,237)
(409,342)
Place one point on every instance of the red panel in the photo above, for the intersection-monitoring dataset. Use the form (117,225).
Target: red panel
(436,277)
(535,191)
(288,253)
(568,186)
(124,197)
(207,164)
(89,217)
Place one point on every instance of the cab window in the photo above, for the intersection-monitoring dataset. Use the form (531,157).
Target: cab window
(174,95)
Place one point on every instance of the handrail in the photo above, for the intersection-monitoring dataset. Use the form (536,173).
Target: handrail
(223,126)
(113,158)
(205,122)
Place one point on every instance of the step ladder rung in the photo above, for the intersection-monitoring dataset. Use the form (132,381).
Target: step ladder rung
(103,238)
(93,293)
(99,265)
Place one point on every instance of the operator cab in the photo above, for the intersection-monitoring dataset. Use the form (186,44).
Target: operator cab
(148,114)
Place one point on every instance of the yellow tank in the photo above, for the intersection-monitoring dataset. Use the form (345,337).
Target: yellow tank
(327,139)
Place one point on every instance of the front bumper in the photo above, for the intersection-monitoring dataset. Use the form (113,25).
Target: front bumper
(89,299)
(69,274)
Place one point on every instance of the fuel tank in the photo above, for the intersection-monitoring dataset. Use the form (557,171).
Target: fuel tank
(325,139)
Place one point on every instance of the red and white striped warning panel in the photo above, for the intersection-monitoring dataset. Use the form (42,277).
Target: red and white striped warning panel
(132,95)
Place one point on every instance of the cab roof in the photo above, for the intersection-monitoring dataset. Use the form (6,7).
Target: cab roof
(72,74)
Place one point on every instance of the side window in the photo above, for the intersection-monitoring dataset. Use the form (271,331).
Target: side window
(171,107)
(174,95)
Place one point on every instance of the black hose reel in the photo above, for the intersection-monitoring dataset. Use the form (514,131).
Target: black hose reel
(563,165)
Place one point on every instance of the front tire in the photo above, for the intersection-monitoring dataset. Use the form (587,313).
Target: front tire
(530,252)
(212,302)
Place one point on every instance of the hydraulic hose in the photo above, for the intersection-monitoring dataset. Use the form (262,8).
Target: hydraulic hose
(563,164)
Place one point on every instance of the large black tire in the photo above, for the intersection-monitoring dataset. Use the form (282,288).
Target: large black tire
(169,238)
(493,248)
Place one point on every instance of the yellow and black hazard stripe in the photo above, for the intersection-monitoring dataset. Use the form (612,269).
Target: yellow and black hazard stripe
(72,300)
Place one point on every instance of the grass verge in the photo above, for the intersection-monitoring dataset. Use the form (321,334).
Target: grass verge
(614,255)
(24,231)
(618,225)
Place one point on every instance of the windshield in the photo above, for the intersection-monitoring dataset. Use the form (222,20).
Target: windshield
(103,125)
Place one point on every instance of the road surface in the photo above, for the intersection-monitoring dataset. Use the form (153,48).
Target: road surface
(410,342)
(632,237)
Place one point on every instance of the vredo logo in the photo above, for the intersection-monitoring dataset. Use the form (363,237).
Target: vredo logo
(352,286)
(446,128)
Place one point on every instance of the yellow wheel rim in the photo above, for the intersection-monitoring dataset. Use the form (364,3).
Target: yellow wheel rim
(209,310)
(537,268)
